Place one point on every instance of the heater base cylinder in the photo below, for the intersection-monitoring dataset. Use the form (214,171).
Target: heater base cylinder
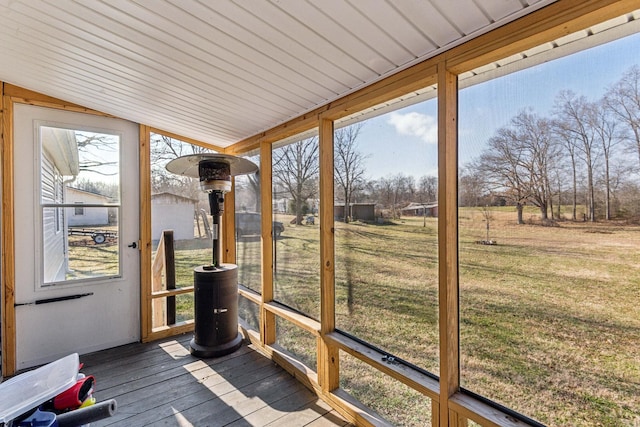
(216,311)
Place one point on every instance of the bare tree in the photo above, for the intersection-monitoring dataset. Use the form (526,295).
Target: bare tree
(91,151)
(576,114)
(163,150)
(623,99)
(108,189)
(517,162)
(569,141)
(487,214)
(539,155)
(471,185)
(296,167)
(393,191)
(348,163)
(401,186)
(605,127)
(252,184)
(501,168)
(383,192)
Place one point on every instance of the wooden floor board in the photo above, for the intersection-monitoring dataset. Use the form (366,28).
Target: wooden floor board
(162,384)
(304,415)
(178,373)
(278,409)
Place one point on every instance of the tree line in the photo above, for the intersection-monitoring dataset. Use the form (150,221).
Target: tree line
(296,175)
(586,153)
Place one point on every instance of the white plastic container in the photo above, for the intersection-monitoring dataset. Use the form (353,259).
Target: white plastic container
(29,390)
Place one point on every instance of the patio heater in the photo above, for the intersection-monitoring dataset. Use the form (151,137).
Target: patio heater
(215,285)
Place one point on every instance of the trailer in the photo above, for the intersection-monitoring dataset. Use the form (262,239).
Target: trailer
(98,235)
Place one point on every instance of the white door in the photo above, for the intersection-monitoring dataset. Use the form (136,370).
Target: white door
(76,215)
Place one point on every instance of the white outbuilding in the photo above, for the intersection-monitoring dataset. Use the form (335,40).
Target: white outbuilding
(173,212)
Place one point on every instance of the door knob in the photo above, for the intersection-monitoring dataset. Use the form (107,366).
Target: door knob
(133,245)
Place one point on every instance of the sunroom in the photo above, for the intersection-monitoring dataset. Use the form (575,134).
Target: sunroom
(444,225)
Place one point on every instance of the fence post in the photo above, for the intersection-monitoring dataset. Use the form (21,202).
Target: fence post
(170,274)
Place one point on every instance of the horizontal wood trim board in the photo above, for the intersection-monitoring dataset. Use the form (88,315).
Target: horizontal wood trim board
(297,319)
(549,23)
(250,294)
(416,380)
(186,139)
(341,401)
(26,96)
(415,78)
(363,416)
(282,311)
(172,292)
(481,413)
(170,330)
(293,127)
(279,356)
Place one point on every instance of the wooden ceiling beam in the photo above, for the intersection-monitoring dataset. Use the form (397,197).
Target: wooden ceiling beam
(556,20)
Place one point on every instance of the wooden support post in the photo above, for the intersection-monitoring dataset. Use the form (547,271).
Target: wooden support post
(328,354)
(267,319)
(8,318)
(448,238)
(229,225)
(435,413)
(146,309)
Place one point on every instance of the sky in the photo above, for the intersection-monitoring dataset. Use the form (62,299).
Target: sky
(405,141)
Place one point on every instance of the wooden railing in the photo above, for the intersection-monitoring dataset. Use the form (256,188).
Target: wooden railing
(348,406)
(163,285)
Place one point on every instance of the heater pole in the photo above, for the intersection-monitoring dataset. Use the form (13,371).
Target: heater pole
(216,204)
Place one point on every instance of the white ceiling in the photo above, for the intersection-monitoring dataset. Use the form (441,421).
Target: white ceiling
(220,71)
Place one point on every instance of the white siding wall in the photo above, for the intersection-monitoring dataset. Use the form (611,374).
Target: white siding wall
(53,224)
(90,216)
(171,213)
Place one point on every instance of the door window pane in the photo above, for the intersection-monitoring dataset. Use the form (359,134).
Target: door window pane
(79,167)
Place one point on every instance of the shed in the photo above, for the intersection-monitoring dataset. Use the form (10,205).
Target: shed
(357,211)
(81,216)
(421,209)
(173,212)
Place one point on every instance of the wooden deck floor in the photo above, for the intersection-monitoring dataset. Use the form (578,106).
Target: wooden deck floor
(161,384)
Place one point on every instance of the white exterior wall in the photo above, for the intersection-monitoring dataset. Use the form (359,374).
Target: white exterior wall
(53,229)
(90,216)
(169,212)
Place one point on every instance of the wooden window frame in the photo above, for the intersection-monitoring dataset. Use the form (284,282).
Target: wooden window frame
(450,407)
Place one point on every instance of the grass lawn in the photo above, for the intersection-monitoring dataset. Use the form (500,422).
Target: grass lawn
(550,316)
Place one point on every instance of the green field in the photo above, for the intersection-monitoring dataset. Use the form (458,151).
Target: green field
(550,316)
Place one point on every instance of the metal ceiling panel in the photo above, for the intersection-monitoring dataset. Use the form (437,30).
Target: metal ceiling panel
(429,21)
(498,9)
(473,18)
(222,71)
